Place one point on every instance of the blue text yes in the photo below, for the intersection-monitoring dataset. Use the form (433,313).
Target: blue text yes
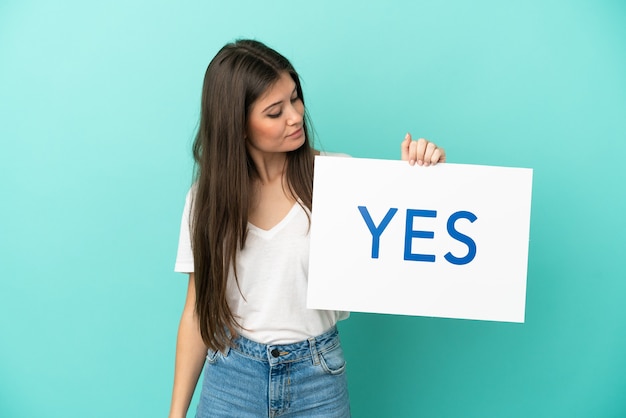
(410,233)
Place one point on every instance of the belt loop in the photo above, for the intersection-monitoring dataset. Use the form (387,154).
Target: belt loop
(314,354)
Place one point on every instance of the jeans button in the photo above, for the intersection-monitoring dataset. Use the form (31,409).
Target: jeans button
(275,353)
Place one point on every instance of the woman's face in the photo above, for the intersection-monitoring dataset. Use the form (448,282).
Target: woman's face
(275,121)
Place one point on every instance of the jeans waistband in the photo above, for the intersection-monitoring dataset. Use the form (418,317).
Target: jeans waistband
(284,353)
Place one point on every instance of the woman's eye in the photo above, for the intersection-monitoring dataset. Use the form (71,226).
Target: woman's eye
(295,99)
(274,115)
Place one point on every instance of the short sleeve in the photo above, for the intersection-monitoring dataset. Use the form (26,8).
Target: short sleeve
(334,154)
(184,257)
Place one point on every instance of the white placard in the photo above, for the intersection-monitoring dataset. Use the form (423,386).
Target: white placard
(463,252)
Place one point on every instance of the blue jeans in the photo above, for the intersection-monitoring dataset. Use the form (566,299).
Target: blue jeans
(303,379)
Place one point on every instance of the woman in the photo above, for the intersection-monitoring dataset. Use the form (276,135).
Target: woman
(244,243)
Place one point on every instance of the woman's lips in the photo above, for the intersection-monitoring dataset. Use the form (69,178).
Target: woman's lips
(295,134)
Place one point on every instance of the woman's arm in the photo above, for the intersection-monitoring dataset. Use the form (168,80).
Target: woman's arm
(190,355)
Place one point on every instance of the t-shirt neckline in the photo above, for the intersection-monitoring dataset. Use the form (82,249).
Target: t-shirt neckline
(269,233)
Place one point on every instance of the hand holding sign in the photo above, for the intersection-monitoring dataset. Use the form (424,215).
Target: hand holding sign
(421,151)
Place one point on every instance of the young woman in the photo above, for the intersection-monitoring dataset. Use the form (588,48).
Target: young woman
(244,242)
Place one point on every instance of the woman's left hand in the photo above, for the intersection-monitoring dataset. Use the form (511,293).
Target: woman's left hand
(422,152)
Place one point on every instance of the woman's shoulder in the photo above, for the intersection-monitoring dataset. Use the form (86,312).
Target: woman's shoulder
(190,196)
(191,193)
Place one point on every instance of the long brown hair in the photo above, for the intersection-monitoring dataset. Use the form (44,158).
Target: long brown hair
(236,77)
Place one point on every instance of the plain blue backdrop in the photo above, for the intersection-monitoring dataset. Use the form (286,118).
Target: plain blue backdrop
(99,103)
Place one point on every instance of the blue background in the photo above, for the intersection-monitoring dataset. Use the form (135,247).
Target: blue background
(99,102)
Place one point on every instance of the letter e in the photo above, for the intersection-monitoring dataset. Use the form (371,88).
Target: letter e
(410,233)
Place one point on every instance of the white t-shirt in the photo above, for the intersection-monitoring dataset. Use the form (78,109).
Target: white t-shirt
(272,271)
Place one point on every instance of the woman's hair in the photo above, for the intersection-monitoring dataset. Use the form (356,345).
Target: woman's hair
(238,75)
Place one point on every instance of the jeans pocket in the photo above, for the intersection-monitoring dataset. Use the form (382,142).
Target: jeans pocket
(211,356)
(332,360)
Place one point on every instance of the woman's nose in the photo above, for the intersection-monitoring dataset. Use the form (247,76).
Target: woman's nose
(295,115)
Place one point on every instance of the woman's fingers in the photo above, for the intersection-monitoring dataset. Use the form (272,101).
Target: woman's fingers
(439,156)
(404,147)
(421,152)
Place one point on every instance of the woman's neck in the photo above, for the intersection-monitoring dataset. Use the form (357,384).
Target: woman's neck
(270,167)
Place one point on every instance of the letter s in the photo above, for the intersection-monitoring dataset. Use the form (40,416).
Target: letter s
(471,245)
